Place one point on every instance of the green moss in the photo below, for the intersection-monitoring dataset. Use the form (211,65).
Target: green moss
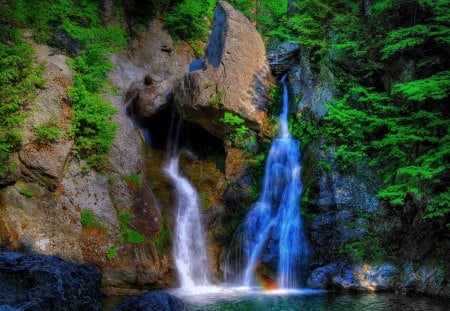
(163,238)
(28,193)
(111,253)
(128,235)
(134,179)
(88,220)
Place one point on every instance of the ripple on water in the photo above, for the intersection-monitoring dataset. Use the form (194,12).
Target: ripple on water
(218,298)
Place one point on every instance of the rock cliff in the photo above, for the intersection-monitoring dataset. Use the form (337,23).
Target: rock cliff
(234,76)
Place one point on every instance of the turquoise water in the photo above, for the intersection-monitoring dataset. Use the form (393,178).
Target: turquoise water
(224,299)
(321,302)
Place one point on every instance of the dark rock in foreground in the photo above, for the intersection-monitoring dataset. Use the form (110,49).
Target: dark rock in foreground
(152,301)
(40,282)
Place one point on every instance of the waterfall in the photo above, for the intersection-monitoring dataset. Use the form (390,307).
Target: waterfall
(189,251)
(276,218)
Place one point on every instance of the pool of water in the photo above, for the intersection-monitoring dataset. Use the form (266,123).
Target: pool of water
(244,299)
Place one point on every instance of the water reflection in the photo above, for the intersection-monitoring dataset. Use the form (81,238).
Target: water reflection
(317,302)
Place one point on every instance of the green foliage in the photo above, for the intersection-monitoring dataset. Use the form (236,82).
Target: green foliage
(111,253)
(190,19)
(231,119)
(368,250)
(20,79)
(163,238)
(303,128)
(435,87)
(93,126)
(400,127)
(238,131)
(47,132)
(134,178)
(88,220)
(28,193)
(128,235)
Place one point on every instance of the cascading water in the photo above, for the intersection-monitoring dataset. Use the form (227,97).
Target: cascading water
(276,215)
(189,250)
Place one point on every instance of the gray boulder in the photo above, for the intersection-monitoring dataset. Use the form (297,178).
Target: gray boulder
(234,76)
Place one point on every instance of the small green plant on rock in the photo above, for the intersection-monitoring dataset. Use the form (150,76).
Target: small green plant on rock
(163,238)
(128,235)
(88,220)
(238,131)
(111,253)
(47,132)
(28,193)
(134,179)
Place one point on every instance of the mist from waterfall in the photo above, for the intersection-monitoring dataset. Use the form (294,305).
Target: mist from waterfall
(275,220)
(189,250)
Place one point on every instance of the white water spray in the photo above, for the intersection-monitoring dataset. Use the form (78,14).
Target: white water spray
(189,250)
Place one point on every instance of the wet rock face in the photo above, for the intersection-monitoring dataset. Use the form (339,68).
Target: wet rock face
(284,58)
(40,282)
(234,76)
(158,300)
(425,279)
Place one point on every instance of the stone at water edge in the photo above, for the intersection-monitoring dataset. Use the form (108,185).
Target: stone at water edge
(152,301)
(41,283)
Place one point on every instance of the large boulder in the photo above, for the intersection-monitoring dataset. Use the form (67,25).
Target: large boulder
(40,282)
(152,301)
(234,76)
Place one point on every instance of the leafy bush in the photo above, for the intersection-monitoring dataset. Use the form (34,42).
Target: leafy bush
(47,132)
(20,79)
(189,19)
(28,193)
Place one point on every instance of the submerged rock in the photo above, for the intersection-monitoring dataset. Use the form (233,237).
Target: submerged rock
(41,282)
(234,76)
(152,301)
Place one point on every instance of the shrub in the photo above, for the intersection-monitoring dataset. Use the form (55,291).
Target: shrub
(28,193)
(47,132)
(188,20)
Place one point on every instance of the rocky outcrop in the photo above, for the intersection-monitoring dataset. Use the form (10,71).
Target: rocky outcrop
(41,207)
(284,58)
(39,282)
(234,76)
(425,279)
(158,64)
(151,301)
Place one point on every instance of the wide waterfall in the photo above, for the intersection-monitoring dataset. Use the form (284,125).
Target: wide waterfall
(189,250)
(275,219)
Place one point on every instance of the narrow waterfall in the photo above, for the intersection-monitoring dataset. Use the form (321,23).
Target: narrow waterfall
(189,251)
(276,216)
